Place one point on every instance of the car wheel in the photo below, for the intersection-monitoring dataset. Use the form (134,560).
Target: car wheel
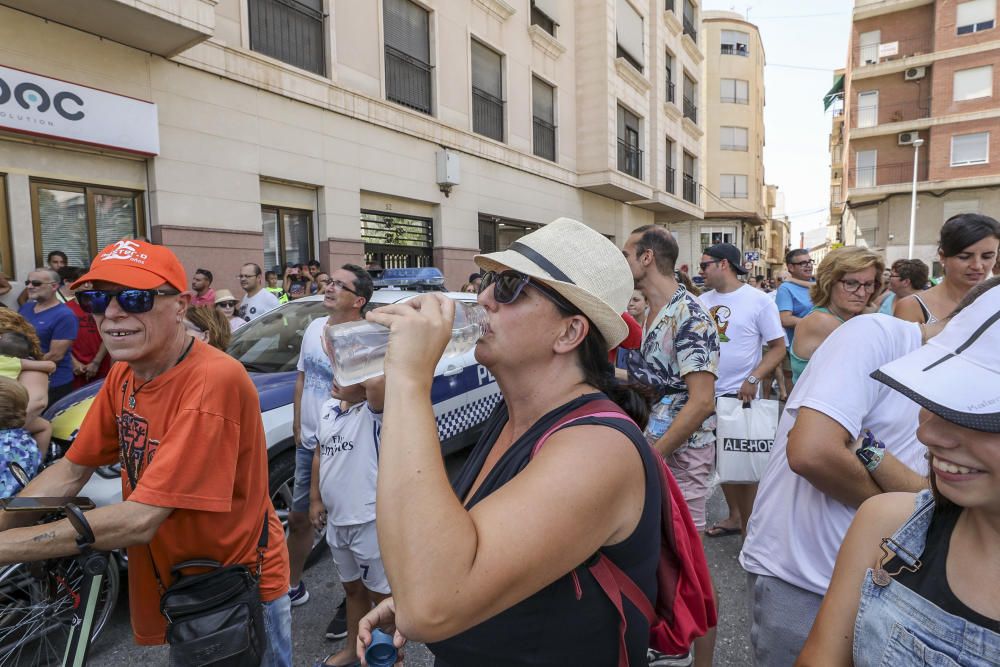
(281,483)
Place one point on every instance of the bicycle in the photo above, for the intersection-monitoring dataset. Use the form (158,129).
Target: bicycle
(52,610)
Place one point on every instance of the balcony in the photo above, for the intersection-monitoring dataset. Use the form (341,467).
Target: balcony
(629,159)
(690,110)
(886,174)
(163,27)
(873,54)
(407,80)
(671,184)
(543,138)
(869,116)
(670,91)
(690,30)
(735,50)
(487,114)
(690,189)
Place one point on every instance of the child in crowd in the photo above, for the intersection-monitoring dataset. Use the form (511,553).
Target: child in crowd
(17,363)
(16,444)
(342,497)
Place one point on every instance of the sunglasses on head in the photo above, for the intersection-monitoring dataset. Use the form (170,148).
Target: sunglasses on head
(96,301)
(508,285)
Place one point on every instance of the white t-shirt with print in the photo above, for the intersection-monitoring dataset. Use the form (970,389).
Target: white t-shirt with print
(746,319)
(349,441)
(252,307)
(317,382)
(795,530)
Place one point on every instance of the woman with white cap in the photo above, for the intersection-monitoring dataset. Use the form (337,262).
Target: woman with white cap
(493,571)
(917,580)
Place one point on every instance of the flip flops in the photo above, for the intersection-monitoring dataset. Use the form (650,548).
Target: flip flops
(721,531)
(322,662)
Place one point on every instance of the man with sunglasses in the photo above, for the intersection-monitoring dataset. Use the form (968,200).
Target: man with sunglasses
(793,298)
(184,421)
(345,294)
(56,326)
(257,300)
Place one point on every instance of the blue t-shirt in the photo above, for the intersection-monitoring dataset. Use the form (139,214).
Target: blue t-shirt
(794,298)
(56,323)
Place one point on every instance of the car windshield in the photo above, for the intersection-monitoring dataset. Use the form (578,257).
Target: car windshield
(270,344)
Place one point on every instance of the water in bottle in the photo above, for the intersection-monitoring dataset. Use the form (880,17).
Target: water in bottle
(659,420)
(359,347)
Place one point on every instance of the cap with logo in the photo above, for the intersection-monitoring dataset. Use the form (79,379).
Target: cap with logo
(956,375)
(728,252)
(136,264)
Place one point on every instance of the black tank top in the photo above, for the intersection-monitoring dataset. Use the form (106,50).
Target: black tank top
(555,627)
(931,580)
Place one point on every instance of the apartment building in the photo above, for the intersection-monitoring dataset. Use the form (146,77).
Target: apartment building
(393,132)
(920,95)
(733,195)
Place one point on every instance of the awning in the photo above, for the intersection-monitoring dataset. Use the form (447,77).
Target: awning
(837,92)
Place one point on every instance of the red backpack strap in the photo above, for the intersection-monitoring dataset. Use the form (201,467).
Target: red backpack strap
(615,584)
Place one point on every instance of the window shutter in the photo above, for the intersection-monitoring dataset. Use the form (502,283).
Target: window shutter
(628,25)
(970,148)
(542,101)
(977,11)
(486,74)
(115,218)
(549,8)
(406,28)
(742,90)
(973,83)
(62,218)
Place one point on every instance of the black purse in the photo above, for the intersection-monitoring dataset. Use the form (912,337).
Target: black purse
(215,619)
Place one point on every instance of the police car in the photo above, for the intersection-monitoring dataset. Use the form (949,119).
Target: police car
(463,392)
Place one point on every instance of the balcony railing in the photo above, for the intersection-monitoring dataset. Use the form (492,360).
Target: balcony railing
(887,174)
(736,50)
(912,46)
(407,80)
(670,91)
(690,189)
(543,138)
(671,185)
(689,29)
(880,114)
(629,159)
(690,110)
(487,114)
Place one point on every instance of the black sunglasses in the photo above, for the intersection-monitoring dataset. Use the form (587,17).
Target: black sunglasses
(705,265)
(508,285)
(37,283)
(96,301)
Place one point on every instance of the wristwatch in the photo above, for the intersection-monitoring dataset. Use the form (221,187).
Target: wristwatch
(752,380)
(871,452)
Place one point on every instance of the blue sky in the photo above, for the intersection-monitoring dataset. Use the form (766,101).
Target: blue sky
(804,42)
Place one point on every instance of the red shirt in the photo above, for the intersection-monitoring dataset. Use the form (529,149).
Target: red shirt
(207,300)
(88,342)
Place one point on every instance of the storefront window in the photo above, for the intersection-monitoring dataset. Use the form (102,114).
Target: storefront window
(496,233)
(81,219)
(287,237)
(397,241)
(6,265)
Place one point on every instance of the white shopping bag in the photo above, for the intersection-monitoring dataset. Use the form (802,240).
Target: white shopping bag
(744,438)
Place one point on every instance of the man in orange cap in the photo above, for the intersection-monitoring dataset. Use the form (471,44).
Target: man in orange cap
(184,420)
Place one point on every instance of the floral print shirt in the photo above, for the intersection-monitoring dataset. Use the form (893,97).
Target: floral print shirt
(680,339)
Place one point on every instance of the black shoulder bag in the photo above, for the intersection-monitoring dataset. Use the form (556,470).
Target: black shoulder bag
(215,618)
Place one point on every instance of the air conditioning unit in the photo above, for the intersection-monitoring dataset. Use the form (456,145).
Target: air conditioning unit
(915,73)
(906,138)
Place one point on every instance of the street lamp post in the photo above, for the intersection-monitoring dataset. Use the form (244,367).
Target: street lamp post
(917,143)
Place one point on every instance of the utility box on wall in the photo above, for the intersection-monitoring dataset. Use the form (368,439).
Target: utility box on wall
(448,170)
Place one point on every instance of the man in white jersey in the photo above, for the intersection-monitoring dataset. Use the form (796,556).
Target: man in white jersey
(257,300)
(747,320)
(342,498)
(814,481)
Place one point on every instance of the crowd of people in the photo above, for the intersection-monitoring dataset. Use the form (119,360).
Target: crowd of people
(867,539)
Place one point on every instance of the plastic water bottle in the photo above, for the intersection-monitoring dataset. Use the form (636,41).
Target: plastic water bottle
(359,347)
(381,652)
(659,420)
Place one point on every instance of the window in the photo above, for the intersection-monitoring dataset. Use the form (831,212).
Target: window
(289,30)
(395,241)
(689,21)
(407,54)
(670,77)
(835,195)
(543,119)
(671,182)
(82,219)
(543,14)
(629,142)
(735,91)
(496,233)
(690,95)
(733,138)
(690,178)
(287,236)
(733,186)
(975,16)
(868,43)
(487,92)
(865,169)
(714,235)
(970,84)
(735,43)
(628,28)
(6,264)
(970,149)
(868,109)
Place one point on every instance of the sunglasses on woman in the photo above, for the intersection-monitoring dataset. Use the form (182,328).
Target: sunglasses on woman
(508,285)
(96,301)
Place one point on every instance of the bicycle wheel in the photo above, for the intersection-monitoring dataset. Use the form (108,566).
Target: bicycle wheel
(36,605)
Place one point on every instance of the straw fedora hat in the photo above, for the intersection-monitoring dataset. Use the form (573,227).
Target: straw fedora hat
(224,295)
(579,263)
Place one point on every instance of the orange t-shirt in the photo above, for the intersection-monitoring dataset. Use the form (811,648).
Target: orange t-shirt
(194,442)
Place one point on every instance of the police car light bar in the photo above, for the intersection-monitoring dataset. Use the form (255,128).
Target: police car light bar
(427,276)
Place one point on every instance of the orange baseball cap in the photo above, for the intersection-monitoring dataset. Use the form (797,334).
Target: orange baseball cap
(136,264)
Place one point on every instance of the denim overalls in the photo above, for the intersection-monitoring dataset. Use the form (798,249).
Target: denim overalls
(897,627)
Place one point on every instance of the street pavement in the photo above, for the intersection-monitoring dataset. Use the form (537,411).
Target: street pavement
(115,647)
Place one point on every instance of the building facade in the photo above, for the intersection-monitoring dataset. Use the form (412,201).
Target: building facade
(390,132)
(920,103)
(733,195)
